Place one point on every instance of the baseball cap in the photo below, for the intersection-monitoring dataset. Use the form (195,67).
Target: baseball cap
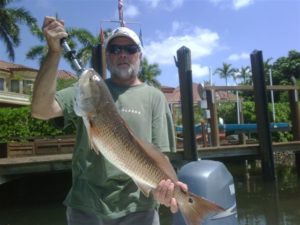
(124,32)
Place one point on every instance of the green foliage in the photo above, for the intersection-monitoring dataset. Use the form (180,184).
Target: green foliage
(225,72)
(149,73)
(284,68)
(282,111)
(227,110)
(198,115)
(244,73)
(249,112)
(17,124)
(80,39)
(11,18)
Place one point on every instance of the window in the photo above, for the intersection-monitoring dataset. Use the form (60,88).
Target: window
(1,84)
(27,86)
(15,86)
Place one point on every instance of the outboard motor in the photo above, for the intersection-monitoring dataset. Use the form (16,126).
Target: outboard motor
(211,180)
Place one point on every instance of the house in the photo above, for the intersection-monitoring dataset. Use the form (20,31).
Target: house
(16,83)
(173,95)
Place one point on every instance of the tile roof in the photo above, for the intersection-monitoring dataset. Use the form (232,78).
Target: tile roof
(63,74)
(8,66)
(173,94)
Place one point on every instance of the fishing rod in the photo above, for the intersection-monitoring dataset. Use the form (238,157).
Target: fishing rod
(71,55)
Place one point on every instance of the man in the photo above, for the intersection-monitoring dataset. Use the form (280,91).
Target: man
(100,193)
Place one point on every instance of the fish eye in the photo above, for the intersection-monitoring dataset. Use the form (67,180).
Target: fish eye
(95,78)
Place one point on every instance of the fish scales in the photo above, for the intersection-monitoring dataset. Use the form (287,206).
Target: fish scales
(115,153)
(110,136)
(115,137)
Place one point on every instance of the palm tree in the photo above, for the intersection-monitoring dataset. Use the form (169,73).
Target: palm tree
(10,19)
(244,73)
(39,51)
(225,72)
(87,41)
(149,73)
(267,65)
(76,36)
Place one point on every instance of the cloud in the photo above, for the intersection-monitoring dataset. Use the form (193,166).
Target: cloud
(237,4)
(201,42)
(165,4)
(175,26)
(199,71)
(152,3)
(237,57)
(131,11)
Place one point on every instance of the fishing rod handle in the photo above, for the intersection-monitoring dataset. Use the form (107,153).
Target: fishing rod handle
(70,54)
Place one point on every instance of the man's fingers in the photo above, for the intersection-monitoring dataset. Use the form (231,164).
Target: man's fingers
(169,192)
(182,186)
(54,31)
(48,20)
(173,206)
(164,193)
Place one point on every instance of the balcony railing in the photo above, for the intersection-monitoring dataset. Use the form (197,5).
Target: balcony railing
(14,98)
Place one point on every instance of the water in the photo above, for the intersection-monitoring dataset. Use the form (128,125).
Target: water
(263,203)
(37,199)
(34,200)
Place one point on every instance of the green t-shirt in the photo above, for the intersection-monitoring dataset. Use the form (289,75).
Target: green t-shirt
(97,185)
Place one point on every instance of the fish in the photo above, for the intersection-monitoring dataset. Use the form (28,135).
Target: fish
(110,136)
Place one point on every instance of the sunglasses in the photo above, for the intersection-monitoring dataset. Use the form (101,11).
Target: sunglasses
(129,49)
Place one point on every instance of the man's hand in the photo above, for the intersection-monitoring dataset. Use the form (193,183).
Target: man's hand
(54,31)
(164,193)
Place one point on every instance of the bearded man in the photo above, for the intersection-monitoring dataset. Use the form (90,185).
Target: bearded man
(100,193)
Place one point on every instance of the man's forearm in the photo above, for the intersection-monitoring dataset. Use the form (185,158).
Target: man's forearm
(44,105)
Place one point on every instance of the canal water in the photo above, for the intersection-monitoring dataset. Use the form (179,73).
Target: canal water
(36,199)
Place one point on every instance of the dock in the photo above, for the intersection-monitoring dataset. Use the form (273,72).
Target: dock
(13,167)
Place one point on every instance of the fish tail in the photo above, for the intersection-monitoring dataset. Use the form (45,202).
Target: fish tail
(194,208)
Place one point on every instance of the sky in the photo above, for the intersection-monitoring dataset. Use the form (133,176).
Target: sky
(216,31)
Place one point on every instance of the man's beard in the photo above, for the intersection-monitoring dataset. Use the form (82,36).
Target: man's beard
(124,73)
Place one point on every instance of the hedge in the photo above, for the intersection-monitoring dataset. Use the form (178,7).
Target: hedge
(17,124)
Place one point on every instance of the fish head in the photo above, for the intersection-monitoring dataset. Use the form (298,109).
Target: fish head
(89,91)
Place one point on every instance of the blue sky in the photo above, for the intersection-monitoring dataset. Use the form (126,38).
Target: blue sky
(216,31)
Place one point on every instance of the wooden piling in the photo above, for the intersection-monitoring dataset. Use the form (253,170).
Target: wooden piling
(295,118)
(262,118)
(186,93)
(98,60)
(214,125)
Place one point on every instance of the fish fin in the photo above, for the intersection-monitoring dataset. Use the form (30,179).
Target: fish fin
(195,208)
(91,131)
(144,188)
